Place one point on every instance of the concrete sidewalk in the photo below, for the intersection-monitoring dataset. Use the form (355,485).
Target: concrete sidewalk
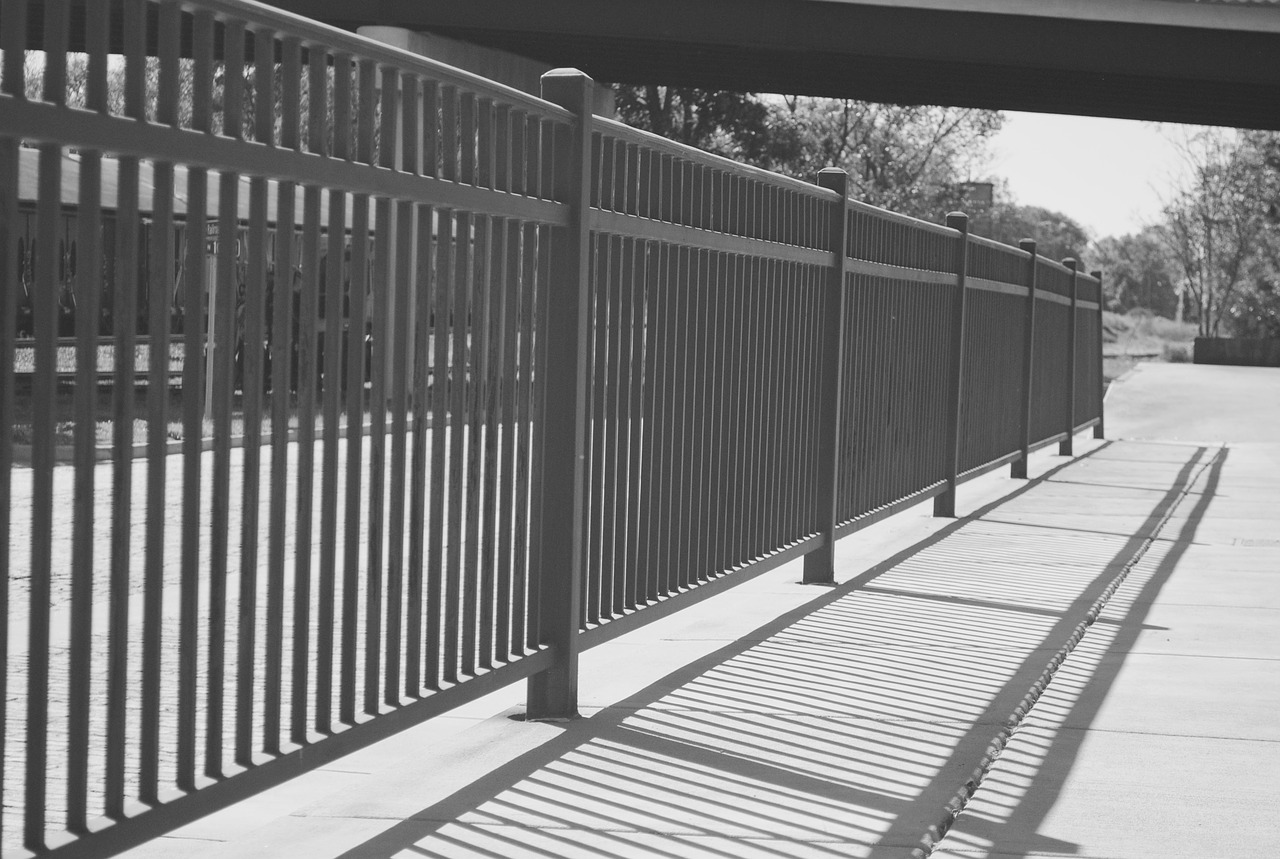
(785,720)
(1159,735)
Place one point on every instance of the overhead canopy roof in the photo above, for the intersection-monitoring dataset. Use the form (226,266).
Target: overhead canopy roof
(1211,62)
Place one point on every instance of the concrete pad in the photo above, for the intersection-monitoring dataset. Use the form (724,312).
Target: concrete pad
(1191,401)
(1163,694)
(1211,559)
(294,837)
(1105,794)
(682,774)
(1224,586)
(1229,532)
(1239,633)
(508,842)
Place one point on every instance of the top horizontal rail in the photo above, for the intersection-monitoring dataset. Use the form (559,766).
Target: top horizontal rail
(645,138)
(1021,254)
(42,121)
(867,208)
(1082,275)
(257,16)
(999,246)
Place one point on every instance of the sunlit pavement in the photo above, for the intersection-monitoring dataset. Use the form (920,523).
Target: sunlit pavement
(787,720)
(1158,736)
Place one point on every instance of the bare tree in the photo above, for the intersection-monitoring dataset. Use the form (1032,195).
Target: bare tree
(1215,223)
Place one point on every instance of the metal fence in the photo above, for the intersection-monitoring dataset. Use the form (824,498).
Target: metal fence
(531,377)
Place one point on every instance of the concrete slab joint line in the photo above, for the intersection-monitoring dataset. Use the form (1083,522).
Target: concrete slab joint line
(931,838)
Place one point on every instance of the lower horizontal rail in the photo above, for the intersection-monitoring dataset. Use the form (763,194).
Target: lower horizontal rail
(880,513)
(597,635)
(985,468)
(1057,437)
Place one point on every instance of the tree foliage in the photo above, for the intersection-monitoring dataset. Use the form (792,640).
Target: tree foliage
(910,159)
(1216,225)
(1139,272)
(906,158)
(1057,236)
(734,125)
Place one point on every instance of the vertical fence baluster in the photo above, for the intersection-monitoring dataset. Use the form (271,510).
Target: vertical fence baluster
(553,694)
(632,427)
(381,293)
(523,618)
(255,290)
(357,369)
(13,42)
(491,345)
(224,327)
(403,306)
(161,265)
(44,390)
(441,429)
(307,376)
(125,318)
(594,459)
(454,364)
(83,562)
(508,433)
(335,341)
(455,509)
(423,426)
(193,373)
(470,426)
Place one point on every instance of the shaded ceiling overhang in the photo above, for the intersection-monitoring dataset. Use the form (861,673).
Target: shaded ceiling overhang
(1163,60)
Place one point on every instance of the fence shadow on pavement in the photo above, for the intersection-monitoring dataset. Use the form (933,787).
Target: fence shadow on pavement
(1015,804)
(848,724)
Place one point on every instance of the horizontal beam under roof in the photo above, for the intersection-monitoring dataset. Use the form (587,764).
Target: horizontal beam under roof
(1164,60)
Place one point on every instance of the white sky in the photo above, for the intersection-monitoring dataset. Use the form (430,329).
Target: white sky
(1107,174)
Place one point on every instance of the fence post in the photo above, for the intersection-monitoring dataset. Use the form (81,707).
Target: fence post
(819,565)
(1018,468)
(1099,430)
(945,504)
(553,694)
(1066,447)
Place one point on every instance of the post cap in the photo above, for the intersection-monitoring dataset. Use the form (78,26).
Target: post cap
(834,179)
(570,88)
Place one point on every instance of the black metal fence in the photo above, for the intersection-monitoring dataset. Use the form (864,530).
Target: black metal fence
(585,372)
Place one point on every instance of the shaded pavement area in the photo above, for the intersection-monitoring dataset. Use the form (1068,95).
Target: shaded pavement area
(1086,663)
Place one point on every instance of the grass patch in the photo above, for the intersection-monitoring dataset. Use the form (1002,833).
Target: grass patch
(1141,334)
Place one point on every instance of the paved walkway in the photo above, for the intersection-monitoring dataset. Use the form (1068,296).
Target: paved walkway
(1095,649)
(1159,736)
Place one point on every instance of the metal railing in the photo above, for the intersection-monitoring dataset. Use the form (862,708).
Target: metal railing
(606,375)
